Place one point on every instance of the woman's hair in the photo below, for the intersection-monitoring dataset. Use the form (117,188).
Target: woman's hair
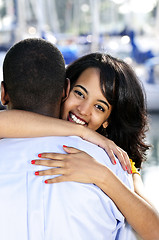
(121,87)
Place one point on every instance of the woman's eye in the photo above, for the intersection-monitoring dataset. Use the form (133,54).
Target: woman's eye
(79,93)
(100,108)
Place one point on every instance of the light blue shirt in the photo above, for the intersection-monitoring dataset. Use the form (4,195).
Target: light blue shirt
(31,210)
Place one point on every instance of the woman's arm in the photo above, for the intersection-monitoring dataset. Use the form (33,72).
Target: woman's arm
(139,188)
(80,167)
(17,123)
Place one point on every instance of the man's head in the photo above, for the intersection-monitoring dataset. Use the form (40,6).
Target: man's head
(34,77)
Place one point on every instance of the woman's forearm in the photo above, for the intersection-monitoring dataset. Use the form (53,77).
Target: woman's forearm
(139,214)
(21,124)
(17,123)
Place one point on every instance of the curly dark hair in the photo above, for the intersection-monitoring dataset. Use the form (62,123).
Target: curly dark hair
(121,87)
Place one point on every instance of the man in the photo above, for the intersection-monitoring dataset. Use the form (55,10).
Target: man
(34,78)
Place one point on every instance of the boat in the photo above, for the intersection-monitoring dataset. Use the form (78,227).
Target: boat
(150,82)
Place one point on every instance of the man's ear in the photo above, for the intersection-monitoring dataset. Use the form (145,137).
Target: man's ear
(66,90)
(105,124)
(4,95)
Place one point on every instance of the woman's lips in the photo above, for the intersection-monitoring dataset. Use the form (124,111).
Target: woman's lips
(73,118)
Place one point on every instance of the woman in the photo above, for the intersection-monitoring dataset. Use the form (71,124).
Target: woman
(107,97)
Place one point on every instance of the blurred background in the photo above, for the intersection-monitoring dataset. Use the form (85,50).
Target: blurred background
(128,29)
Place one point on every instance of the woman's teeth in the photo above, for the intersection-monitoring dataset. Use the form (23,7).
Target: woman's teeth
(76,120)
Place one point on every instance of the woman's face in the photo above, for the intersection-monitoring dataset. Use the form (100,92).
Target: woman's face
(86,104)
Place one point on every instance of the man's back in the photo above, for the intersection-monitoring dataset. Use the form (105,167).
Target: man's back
(30,209)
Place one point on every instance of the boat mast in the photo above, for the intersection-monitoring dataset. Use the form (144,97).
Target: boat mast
(20,19)
(95,5)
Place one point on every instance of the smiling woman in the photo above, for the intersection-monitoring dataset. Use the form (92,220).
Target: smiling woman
(86,104)
(113,81)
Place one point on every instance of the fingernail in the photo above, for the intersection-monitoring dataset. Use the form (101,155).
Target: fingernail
(33,162)
(39,155)
(126,168)
(114,162)
(64,146)
(131,171)
(36,173)
(46,181)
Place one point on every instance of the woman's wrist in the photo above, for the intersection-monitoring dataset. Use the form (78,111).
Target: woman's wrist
(80,130)
(101,176)
(106,180)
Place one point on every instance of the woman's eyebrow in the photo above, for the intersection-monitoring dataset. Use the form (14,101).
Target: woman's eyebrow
(104,103)
(82,88)
(87,93)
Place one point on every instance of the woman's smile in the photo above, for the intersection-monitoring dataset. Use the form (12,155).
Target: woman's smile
(74,118)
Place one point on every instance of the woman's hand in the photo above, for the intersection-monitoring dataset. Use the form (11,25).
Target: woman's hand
(75,166)
(109,146)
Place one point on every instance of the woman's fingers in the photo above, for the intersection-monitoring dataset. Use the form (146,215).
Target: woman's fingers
(123,159)
(71,149)
(59,162)
(52,171)
(128,164)
(113,150)
(49,163)
(58,156)
(57,180)
(111,155)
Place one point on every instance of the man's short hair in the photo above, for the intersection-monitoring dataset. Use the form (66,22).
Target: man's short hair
(34,74)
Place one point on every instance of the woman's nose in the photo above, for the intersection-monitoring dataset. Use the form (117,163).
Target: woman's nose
(84,108)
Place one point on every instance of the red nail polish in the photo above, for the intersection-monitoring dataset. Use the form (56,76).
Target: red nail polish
(46,181)
(126,168)
(131,171)
(33,162)
(36,173)
(39,155)
(64,146)
(114,162)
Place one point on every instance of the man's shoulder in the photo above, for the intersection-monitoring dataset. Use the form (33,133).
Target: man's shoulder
(36,139)
(42,144)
